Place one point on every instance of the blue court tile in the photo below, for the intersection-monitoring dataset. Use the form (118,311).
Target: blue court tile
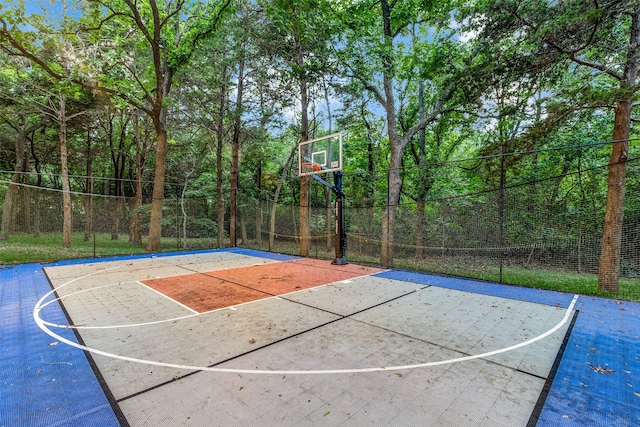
(43,383)
(600,369)
(267,255)
(485,288)
(597,382)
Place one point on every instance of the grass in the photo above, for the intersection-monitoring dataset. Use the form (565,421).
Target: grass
(24,248)
(538,278)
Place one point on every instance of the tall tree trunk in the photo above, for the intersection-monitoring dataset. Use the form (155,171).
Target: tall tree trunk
(422,194)
(36,195)
(11,195)
(220,191)
(274,206)
(88,197)
(219,160)
(12,191)
(118,159)
(135,227)
(396,145)
(393,197)
(67,226)
(259,204)
(27,199)
(609,268)
(164,78)
(305,213)
(235,151)
(155,223)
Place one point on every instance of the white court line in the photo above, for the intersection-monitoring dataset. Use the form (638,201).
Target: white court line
(155,322)
(41,325)
(169,298)
(77,293)
(173,319)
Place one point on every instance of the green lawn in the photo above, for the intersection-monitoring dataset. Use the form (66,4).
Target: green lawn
(24,248)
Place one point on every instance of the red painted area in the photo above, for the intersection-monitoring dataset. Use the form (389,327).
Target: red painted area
(224,288)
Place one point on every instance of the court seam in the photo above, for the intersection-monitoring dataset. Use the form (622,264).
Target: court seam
(340,317)
(39,321)
(194,312)
(464,353)
(546,389)
(168,297)
(212,275)
(240,371)
(113,403)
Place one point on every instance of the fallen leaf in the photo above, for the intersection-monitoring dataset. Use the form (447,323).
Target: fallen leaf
(601,370)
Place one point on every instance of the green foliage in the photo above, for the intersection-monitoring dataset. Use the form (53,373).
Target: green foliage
(497,76)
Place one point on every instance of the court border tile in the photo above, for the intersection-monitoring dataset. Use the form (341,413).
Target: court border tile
(43,383)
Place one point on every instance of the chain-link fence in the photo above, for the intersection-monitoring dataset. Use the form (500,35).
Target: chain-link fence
(536,222)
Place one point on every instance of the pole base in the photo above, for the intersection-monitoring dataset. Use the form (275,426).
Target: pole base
(339,261)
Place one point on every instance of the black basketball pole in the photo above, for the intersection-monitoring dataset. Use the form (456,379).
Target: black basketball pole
(341,235)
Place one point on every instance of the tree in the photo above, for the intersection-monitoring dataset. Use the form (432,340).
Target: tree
(373,53)
(56,57)
(303,28)
(169,34)
(23,129)
(599,41)
(24,120)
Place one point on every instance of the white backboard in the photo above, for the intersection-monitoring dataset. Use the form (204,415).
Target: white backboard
(320,155)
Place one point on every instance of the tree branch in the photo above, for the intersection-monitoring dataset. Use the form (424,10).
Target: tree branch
(571,54)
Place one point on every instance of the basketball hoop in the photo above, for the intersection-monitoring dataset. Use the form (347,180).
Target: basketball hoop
(320,156)
(307,166)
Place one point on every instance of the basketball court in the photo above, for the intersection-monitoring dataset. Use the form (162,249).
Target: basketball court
(241,337)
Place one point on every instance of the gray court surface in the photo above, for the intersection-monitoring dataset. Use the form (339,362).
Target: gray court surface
(367,351)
